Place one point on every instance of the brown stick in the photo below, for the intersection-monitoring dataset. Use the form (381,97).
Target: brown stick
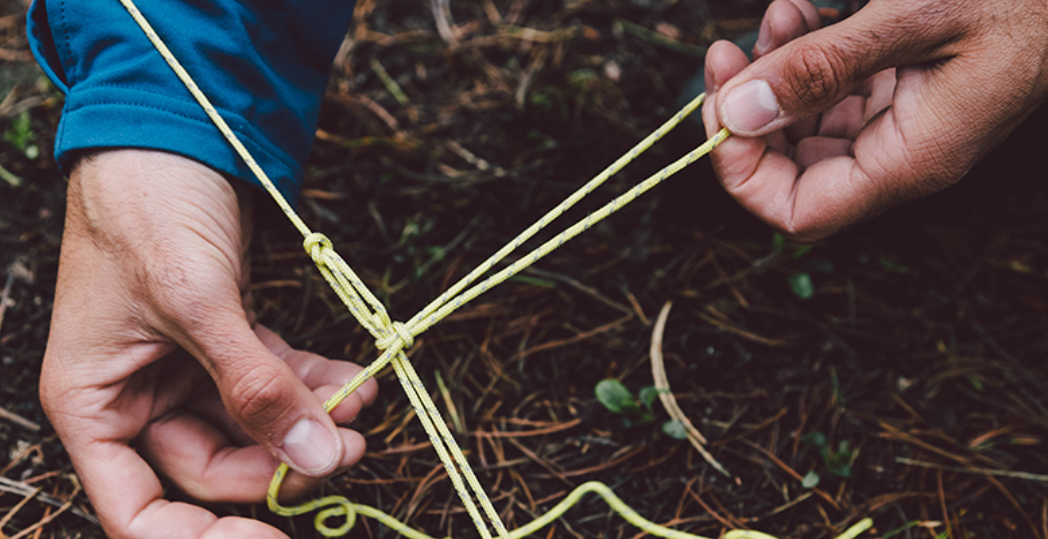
(662,384)
(19,420)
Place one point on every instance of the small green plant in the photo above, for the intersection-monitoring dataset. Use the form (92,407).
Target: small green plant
(20,133)
(675,429)
(635,410)
(834,462)
(618,399)
(799,279)
(801,285)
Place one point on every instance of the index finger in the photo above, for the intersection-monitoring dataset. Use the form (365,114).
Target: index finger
(810,203)
(129,500)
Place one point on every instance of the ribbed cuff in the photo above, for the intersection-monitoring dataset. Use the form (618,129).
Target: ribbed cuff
(115,117)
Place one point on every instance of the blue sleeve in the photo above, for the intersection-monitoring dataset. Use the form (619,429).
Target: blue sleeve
(263,63)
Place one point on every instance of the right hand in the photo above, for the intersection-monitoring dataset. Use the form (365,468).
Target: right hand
(154,273)
(838,124)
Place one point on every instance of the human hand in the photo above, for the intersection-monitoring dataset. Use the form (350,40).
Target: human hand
(154,272)
(895,102)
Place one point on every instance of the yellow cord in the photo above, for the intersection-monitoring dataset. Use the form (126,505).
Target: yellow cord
(394,337)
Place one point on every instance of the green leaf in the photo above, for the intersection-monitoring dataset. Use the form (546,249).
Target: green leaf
(811,480)
(816,439)
(580,77)
(675,429)
(778,243)
(802,250)
(615,397)
(20,132)
(648,394)
(801,285)
(535,281)
(836,384)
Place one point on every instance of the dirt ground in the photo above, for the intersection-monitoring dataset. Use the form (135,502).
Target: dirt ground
(901,364)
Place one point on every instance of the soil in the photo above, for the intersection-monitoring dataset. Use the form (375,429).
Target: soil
(910,379)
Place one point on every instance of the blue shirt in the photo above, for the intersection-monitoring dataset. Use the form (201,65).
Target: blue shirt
(263,63)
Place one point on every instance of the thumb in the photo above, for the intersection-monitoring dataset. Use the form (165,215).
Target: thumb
(814,72)
(262,394)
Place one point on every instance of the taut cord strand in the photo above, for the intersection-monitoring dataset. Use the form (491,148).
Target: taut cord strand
(393,338)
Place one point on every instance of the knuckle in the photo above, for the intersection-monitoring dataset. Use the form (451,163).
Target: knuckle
(816,74)
(259,396)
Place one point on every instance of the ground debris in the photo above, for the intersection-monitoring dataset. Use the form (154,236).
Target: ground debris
(909,386)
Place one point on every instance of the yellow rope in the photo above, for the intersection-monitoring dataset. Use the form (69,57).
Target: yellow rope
(394,337)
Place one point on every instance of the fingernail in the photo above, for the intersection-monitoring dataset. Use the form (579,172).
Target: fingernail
(310,446)
(764,36)
(750,107)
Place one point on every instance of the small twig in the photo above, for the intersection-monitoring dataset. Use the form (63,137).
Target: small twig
(492,12)
(662,384)
(942,506)
(6,295)
(549,345)
(978,471)
(17,270)
(637,308)
(456,421)
(528,433)
(471,158)
(748,335)
(10,177)
(18,507)
(537,36)
(442,14)
(791,472)
(18,487)
(44,521)
(663,40)
(389,83)
(19,420)
(529,75)
(1044,516)
(372,106)
(578,285)
(549,466)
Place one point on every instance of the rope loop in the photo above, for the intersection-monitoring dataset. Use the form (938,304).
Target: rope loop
(342,508)
(315,244)
(397,334)
(381,318)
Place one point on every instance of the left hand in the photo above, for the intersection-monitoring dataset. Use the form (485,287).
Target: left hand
(155,366)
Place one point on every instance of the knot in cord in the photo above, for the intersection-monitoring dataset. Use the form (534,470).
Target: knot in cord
(315,244)
(396,333)
(343,280)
